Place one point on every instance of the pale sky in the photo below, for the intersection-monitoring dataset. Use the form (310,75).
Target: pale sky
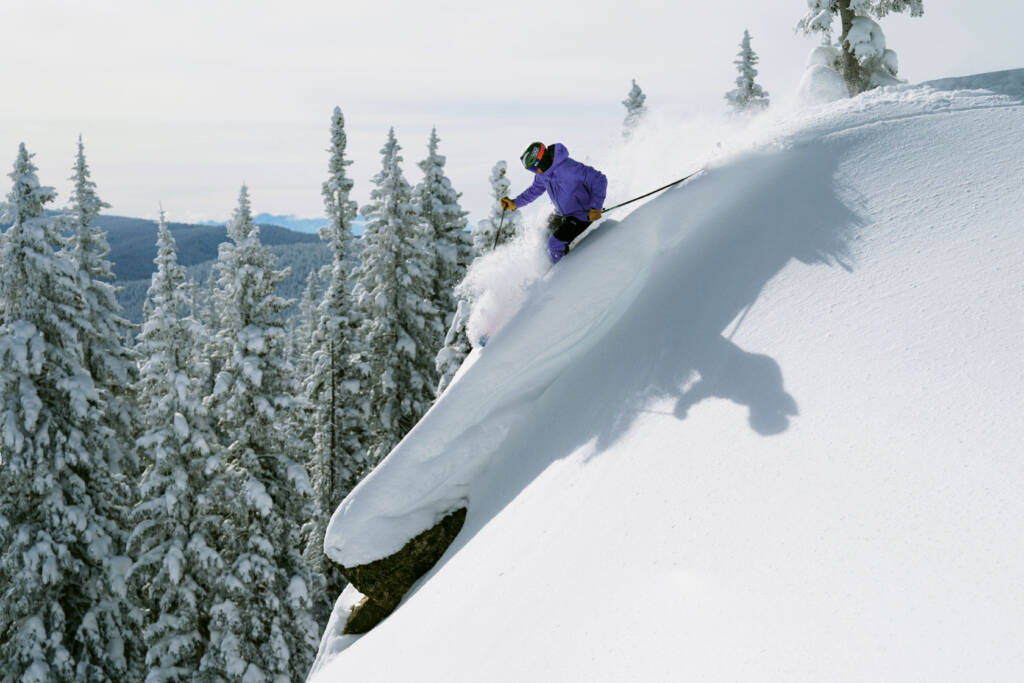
(182,102)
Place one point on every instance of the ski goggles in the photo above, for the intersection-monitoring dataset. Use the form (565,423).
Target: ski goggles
(532,156)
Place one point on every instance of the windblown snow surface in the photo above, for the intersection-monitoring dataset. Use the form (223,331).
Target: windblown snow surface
(767,426)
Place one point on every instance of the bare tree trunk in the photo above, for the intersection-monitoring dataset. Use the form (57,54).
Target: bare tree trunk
(856,81)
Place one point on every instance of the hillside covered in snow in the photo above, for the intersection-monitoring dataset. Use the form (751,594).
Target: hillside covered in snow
(766,426)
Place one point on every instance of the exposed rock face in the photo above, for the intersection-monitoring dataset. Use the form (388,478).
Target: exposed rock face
(385,581)
(365,616)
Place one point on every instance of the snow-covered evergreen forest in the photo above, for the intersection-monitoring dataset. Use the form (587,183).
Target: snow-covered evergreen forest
(164,488)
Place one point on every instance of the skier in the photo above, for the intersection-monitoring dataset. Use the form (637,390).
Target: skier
(576,190)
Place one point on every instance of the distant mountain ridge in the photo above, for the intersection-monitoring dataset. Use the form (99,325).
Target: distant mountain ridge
(133,250)
(290,221)
(133,243)
(297,224)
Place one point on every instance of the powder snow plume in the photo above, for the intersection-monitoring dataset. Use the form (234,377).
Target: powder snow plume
(659,151)
(498,281)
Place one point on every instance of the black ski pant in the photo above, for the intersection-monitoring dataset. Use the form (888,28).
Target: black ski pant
(566,228)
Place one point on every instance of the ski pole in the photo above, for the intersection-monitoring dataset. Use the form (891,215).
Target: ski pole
(664,187)
(498,231)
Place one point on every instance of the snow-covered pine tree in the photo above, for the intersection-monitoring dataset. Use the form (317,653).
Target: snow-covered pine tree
(105,334)
(748,95)
(394,285)
(261,625)
(636,110)
(860,55)
(507,221)
(438,205)
(340,208)
(178,522)
(332,385)
(61,544)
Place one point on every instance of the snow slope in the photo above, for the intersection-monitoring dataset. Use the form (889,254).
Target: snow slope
(767,427)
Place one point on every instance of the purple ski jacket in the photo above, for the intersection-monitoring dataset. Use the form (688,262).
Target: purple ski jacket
(574,188)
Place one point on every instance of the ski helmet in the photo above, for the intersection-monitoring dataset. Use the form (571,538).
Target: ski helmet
(533,156)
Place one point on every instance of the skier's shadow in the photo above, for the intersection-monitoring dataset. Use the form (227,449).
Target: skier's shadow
(724,370)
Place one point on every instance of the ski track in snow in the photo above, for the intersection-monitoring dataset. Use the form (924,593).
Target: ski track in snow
(766,426)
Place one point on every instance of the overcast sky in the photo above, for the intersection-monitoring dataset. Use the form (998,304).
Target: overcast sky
(182,102)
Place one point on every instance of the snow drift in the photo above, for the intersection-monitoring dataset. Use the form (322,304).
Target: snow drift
(767,427)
